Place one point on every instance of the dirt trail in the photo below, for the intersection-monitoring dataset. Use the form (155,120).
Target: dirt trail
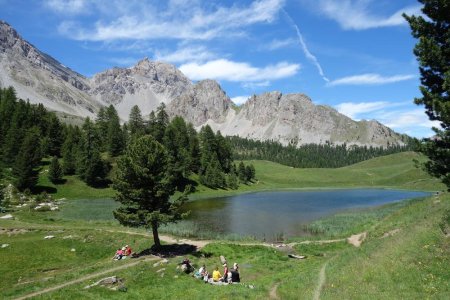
(357,239)
(87,277)
(321,282)
(273,292)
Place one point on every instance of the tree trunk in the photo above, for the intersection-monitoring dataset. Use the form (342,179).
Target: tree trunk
(155,235)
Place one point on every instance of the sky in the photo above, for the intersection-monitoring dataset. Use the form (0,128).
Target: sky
(353,55)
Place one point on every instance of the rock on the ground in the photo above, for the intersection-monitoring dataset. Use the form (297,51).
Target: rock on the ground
(7,217)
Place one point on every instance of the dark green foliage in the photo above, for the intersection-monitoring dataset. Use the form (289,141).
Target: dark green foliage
(194,148)
(310,155)
(69,150)
(176,141)
(55,136)
(433,53)
(215,158)
(160,123)
(232,179)
(144,187)
(90,166)
(25,168)
(242,172)
(135,122)
(18,116)
(115,139)
(55,172)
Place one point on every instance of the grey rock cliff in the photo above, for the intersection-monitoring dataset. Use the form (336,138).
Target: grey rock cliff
(291,118)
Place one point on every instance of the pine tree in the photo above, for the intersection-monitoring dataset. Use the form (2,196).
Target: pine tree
(233,181)
(101,122)
(90,166)
(115,137)
(55,172)
(69,149)
(433,53)
(55,136)
(242,173)
(143,187)
(28,160)
(161,122)
(136,122)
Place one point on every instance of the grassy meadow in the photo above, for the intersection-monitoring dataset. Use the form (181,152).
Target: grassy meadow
(405,256)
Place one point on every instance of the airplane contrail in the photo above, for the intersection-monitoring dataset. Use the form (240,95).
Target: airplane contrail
(305,49)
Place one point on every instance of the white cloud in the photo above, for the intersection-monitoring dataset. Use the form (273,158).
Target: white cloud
(124,61)
(255,85)
(131,20)
(223,69)
(411,118)
(369,79)
(356,15)
(305,49)
(353,110)
(239,100)
(68,6)
(403,117)
(278,44)
(191,54)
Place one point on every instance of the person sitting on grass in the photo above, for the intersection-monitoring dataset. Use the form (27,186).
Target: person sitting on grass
(235,277)
(225,273)
(118,255)
(216,276)
(186,266)
(200,272)
(128,251)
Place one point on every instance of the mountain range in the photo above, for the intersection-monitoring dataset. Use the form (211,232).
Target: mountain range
(287,118)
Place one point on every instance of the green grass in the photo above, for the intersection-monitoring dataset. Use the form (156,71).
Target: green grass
(391,171)
(411,264)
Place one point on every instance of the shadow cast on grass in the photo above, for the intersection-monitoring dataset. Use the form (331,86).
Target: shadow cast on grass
(172,250)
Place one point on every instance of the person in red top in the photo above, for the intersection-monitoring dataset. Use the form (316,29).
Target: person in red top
(225,272)
(128,250)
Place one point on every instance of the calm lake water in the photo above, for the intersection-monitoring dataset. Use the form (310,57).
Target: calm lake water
(268,214)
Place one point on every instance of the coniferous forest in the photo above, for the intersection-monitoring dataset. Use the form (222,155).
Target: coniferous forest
(29,133)
(310,155)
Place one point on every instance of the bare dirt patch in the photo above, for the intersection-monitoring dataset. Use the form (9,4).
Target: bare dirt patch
(13,231)
(357,239)
(391,233)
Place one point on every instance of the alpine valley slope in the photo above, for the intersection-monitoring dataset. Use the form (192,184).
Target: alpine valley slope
(291,118)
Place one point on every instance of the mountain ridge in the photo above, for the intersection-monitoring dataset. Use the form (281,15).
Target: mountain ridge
(287,118)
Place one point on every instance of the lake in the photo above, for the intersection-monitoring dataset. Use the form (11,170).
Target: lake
(268,214)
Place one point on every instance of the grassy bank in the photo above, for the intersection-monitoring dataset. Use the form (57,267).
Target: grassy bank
(405,256)
(391,171)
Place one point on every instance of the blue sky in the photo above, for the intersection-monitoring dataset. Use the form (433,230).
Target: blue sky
(353,55)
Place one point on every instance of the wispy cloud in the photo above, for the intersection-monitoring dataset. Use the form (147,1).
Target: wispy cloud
(186,54)
(68,7)
(354,110)
(123,61)
(255,85)
(138,20)
(401,116)
(278,44)
(369,79)
(223,69)
(239,100)
(356,14)
(305,49)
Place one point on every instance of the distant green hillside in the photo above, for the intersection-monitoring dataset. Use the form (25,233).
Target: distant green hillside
(391,171)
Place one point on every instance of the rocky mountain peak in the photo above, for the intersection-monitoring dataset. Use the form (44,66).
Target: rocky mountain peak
(287,118)
(204,101)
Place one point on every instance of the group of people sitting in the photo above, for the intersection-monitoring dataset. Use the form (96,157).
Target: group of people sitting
(229,275)
(123,253)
